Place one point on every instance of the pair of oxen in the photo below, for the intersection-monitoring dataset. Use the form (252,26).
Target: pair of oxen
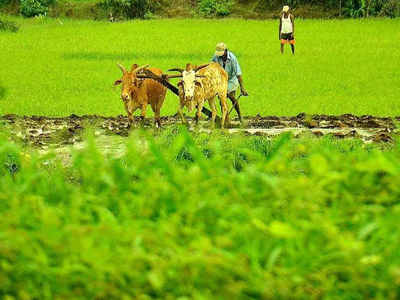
(197,84)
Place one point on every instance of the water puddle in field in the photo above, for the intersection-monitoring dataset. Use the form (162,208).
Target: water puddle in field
(62,134)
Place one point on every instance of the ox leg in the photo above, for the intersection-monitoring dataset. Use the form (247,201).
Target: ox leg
(157,119)
(198,112)
(130,118)
(159,104)
(224,109)
(180,112)
(156,111)
(143,113)
(211,101)
(129,112)
(156,115)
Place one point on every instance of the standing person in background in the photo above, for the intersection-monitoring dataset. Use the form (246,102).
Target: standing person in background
(228,61)
(286,29)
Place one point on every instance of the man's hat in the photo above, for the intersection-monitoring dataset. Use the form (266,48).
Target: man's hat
(285,8)
(220,49)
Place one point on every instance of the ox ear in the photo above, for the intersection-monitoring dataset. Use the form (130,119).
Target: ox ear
(134,66)
(117,82)
(180,83)
(198,83)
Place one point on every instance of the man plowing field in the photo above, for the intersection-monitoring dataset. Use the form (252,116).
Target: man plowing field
(228,61)
(221,78)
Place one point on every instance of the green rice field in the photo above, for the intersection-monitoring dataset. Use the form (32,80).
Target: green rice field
(58,67)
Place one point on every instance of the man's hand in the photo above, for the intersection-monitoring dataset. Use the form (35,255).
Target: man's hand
(244,93)
(292,35)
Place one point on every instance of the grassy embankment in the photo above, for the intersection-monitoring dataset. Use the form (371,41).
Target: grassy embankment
(202,217)
(62,67)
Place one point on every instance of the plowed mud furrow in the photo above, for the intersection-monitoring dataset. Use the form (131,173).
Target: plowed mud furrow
(45,132)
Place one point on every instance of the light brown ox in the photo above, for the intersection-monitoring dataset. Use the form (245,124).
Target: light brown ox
(201,83)
(138,92)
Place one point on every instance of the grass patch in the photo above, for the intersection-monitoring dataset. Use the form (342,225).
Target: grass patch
(57,67)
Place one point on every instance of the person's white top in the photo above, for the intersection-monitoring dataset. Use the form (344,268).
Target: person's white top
(287,25)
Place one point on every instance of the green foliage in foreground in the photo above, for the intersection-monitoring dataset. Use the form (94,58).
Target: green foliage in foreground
(64,67)
(202,218)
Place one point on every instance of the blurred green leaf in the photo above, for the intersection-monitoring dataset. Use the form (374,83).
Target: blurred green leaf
(282,230)
(319,164)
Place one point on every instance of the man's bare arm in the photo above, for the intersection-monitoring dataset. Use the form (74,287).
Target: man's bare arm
(243,91)
(292,18)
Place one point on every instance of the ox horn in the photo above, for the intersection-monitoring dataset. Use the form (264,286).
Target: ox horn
(137,70)
(121,67)
(175,76)
(199,67)
(176,69)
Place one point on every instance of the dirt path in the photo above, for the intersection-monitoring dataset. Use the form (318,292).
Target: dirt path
(44,132)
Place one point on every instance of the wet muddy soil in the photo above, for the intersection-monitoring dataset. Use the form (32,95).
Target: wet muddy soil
(44,132)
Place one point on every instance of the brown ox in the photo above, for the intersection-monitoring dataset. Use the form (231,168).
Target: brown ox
(138,92)
(201,83)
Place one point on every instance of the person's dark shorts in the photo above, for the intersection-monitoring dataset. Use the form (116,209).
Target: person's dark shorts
(287,37)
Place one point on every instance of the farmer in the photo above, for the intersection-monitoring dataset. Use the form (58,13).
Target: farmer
(229,62)
(286,29)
